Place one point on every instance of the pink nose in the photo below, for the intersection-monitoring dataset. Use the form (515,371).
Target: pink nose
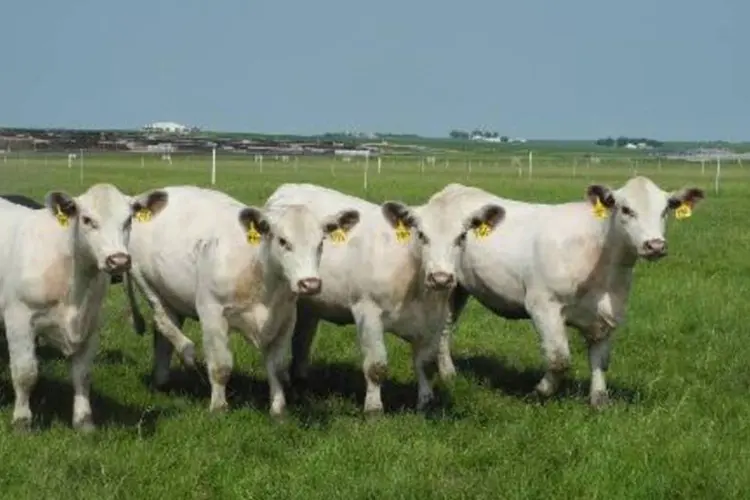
(440,279)
(117,263)
(655,247)
(309,286)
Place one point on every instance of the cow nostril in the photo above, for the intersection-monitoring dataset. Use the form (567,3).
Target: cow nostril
(440,278)
(309,285)
(118,261)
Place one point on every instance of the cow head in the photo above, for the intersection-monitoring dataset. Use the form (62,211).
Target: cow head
(437,236)
(100,221)
(293,241)
(639,211)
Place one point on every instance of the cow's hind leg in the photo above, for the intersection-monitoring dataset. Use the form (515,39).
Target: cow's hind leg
(375,362)
(163,347)
(23,364)
(549,323)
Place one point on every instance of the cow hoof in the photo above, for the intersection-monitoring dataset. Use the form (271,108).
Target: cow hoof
(599,400)
(84,425)
(219,408)
(188,355)
(377,373)
(278,416)
(22,425)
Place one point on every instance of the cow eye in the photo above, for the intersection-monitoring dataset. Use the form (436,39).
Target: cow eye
(422,237)
(284,243)
(461,238)
(87,221)
(628,211)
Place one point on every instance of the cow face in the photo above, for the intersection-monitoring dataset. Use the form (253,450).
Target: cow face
(640,210)
(437,236)
(293,240)
(100,221)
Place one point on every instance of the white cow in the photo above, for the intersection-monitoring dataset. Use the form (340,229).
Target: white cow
(393,272)
(55,264)
(210,257)
(567,264)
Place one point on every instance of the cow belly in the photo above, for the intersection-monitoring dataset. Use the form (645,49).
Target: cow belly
(337,314)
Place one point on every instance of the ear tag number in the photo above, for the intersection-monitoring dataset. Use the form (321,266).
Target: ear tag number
(683,211)
(402,232)
(61,217)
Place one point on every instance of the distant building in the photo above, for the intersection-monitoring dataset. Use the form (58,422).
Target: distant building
(169,127)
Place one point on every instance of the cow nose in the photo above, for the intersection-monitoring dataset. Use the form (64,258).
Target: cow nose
(440,279)
(656,247)
(309,286)
(117,263)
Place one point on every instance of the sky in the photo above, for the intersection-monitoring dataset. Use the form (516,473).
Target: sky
(539,69)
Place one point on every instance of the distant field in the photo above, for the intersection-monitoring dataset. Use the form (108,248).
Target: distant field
(678,426)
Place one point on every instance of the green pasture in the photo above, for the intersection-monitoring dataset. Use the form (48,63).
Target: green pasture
(677,427)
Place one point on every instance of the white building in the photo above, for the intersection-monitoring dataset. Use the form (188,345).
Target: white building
(169,127)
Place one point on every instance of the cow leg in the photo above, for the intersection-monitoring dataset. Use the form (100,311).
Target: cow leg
(81,363)
(423,350)
(550,325)
(165,321)
(372,345)
(218,356)
(305,329)
(273,355)
(24,368)
(599,352)
(446,369)
(163,348)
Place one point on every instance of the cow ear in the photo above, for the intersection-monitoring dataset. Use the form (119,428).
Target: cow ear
(252,219)
(61,204)
(396,212)
(597,193)
(344,220)
(688,196)
(152,202)
(485,218)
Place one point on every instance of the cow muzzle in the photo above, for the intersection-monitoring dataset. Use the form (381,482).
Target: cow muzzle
(654,249)
(440,280)
(309,286)
(117,263)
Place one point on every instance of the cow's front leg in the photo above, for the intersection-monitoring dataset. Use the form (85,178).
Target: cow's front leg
(23,365)
(599,352)
(375,362)
(273,354)
(81,363)
(424,350)
(550,326)
(446,368)
(219,358)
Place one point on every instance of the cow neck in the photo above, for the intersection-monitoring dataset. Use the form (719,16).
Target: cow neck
(273,274)
(617,253)
(84,272)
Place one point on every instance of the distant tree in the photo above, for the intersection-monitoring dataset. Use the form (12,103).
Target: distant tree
(504,138)
(459,134)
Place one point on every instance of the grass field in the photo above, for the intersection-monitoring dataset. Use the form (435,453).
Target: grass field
(677,427)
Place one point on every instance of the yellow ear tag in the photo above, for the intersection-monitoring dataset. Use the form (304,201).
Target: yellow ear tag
(600,211)
(143,215)
(338,236)
(61,217)
(253,236)
(482,231)
(402,232)
(683,211)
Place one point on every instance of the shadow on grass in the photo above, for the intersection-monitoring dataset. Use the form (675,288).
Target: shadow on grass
(308,401)
(521,383)
(52,401)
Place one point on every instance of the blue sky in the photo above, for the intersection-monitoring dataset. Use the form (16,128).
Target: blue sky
(572,69)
